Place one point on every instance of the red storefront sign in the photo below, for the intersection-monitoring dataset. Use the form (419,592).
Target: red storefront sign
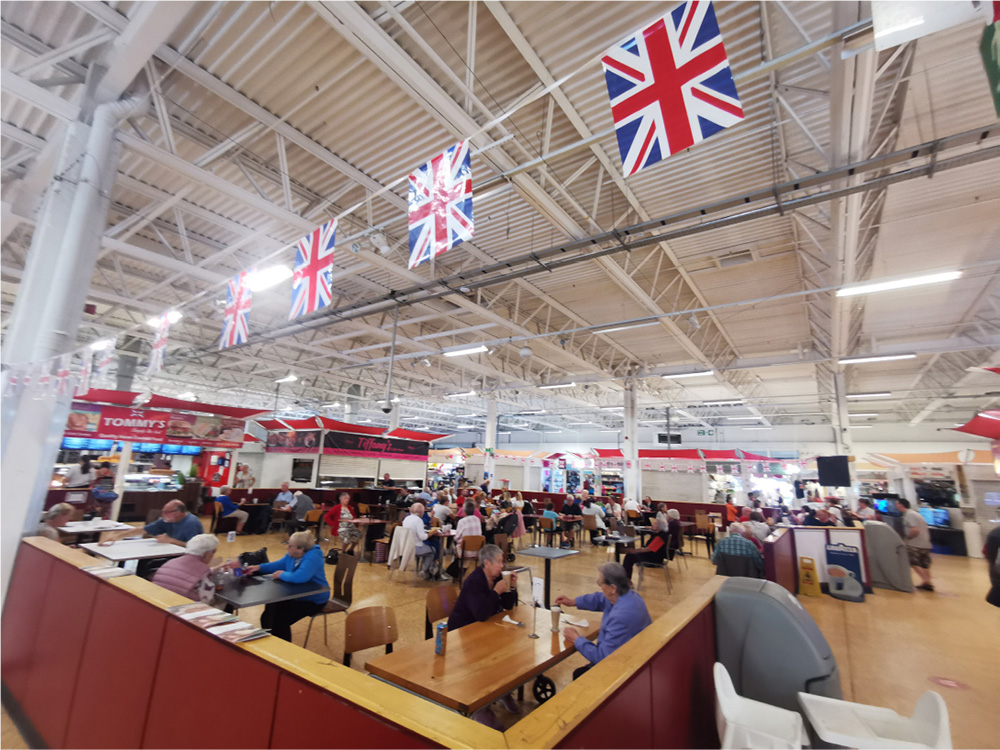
(149,426)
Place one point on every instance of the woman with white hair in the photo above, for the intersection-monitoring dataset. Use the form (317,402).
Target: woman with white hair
(302,564)
(190,574)
(56,516)
(655,552)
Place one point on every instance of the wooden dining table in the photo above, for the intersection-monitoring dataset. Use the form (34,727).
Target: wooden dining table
(484,660)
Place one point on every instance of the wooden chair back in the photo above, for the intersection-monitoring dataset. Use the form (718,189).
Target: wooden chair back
(502,541)
(313,517)
(547,524)
(369,627)
(632,515)
(612,523)
(363,509)
(343,578)
(630,531)
(702,522)
(472,543)
(440,602)
(590,523)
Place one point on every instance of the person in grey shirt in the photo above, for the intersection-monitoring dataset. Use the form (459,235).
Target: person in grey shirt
(917,537)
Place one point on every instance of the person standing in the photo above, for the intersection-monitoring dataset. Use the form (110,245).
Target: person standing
(340,519)
(80,476)
(917,537)
(991,551)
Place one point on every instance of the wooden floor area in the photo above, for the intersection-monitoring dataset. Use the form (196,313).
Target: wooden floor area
(888,648)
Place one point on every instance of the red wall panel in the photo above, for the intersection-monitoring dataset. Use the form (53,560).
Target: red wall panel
(62,637)
(333,722)
(683,690)
(21,614)
(207,693)
(623,721)
(780,562)
(117,671)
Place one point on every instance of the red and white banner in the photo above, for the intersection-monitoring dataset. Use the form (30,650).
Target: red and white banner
(149,426)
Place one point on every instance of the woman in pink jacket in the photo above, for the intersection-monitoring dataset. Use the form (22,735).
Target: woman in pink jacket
(190,574)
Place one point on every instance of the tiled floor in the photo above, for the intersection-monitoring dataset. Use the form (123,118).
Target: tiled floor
(887,648)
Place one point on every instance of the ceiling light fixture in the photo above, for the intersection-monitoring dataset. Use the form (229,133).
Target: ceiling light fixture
(611,408)
(467,350)
(465,427)
(864,414)
(460,395)
(334,405)
(746,418)
(609,430)
(689,375)
(860,426)
(265,278)
(289,378)
(505,432)
(100,346)
(873,394)
(364,421)
(874,358)
(629,327)
(885,286)
(187,396)
(556,385)
(732,402)
(173,316)
(466,416)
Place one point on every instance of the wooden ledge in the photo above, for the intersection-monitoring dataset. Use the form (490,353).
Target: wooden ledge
(551,722)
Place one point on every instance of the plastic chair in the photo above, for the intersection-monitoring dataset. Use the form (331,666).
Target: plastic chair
(746,723)
(861,726)
(590,524)
(547,527)
(471,544)
(704,530)
(367,628)
(343,594)
(440,602)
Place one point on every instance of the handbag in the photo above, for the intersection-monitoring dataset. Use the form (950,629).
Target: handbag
(455,568)
(103,496)
(257,557)
(332,557)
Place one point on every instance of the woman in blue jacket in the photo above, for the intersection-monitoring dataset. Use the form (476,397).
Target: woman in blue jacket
(302,564)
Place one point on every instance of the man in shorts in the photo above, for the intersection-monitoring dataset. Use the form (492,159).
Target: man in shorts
(917,537)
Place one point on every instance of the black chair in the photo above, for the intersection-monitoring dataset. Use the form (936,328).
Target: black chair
(221,525)
(736,565)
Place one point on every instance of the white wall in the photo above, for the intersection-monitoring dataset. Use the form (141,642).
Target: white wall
(277,468)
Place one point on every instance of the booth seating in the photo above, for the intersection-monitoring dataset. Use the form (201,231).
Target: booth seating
(771,647)
(888,560)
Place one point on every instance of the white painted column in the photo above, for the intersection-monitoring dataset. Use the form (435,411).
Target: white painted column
(394,417)
(490,445)
(631,475)
(124,462)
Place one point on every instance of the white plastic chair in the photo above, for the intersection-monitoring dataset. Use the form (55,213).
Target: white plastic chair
(746,723)
(861,726)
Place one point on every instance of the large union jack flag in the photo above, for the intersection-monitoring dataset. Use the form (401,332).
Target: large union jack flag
(159,348)
(441,204)
(313,270)
(236,319)
(670,86)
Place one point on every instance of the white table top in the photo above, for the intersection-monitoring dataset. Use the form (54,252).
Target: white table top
(87,527)
(139,549)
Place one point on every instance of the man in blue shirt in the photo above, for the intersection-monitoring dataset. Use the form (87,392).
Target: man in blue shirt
(736,545)
(174,526)
(230,509)
(624,611)
(284,497)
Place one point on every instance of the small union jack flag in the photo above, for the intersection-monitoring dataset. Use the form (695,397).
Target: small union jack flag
(236,319)
(159,345)
(63,374)
(670,86)
(441,204)
(313,270)
(86,368)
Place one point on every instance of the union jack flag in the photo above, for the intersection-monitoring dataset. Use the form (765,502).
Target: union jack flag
(313,270)
(105,358)
(159,345)
(236,319)
(86,368)
(441,204)
(670,86)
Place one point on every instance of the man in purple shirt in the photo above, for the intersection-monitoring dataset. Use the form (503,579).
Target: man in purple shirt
(624,611)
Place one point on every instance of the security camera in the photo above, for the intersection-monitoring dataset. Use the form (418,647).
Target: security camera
(386,408)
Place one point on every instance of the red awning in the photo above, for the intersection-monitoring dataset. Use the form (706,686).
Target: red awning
(289,424)
(427,437)
(689,455)
(721,455)
(248,438)
(608,453)
(362,429)
(985,424)
(748,456)
(127,398)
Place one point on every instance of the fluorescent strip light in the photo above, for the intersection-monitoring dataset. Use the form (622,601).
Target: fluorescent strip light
(265,278)
(470,350)
(626,327)
(652,421)
(289,378)
(731,402)
(689,375)
(459,395)
(187,396)
(100,346)
(505,433)
(879,394)
(557,385)
(864,414)
(860,426)
(609,430)
(611,408)
(884,286)
(334,405)
(874,358)
(364,421)
(579,424)
(746,418)
(539,411)
(756,428)
(465,427)
(466,416)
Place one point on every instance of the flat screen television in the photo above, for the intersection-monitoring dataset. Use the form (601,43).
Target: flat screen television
(942,517)
(74,444)
(171,449)
(302,469)
(928,514)
(97,444)
(146,448)
(190,450)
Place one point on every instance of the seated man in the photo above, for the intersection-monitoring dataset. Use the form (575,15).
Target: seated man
(285,497)
(484,594)
(190,575)
(590,508)
(300,505)
(656,552)
(174,526)
(758,525)
(738,545)
(231,509)
(624,611)
(423,551)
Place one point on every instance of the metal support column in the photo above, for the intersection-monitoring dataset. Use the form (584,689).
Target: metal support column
(490,445)
(631,476)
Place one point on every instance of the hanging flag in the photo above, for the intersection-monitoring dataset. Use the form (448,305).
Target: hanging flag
(42,384)
(670,86)
(86,367)
(313,270)
(64,374)
(989,47)
(13,380)
(105,358)
(236,319)
(441,204)
(159,349)
(690,468)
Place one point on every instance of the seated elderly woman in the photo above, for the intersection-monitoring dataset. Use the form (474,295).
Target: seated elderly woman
(190,574)
(625,614)
(655,552)
(302,564)
(56,516)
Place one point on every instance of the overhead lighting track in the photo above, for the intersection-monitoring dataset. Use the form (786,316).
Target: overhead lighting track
(874,358)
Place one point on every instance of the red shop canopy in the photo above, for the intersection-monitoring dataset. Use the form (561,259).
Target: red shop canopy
(127,398)
(427,437)
(692,454)
(608,453)
(721,455)
(289,424)
(985,424)
(361,429)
